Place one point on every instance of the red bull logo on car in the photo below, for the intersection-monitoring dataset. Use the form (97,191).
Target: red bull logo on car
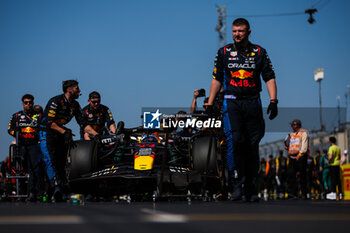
(242,74)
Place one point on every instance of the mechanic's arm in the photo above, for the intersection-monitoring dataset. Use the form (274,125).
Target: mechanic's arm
(272,88)
(110,121)
(51,117)
(304,144)
(218,77)
(214,89)
(194,101)
(12,126)
(57,128)
(88,129)
(82,123)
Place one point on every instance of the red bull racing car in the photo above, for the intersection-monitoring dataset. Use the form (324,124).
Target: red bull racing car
(148,164)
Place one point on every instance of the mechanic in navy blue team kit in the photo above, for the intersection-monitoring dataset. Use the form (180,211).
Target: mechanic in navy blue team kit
(97,115)
(237,69)
(25,123)
(56,138)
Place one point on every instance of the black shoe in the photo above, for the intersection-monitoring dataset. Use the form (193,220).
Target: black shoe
(292,197)
(254,198)
(32,197)
(236,194)
(58,195)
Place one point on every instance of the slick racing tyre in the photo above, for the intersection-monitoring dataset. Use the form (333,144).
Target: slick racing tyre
(82,160)
(204,151)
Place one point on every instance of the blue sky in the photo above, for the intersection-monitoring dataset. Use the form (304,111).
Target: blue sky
(155,53)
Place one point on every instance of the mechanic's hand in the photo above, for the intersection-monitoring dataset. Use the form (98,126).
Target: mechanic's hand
(68,138)
(210,110)
(120,127)
(272,110)
(120,138)
(96,139)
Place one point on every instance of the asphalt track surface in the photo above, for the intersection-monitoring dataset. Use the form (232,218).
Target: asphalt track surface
(283,216)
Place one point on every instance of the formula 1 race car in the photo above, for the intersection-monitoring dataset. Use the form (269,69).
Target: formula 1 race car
(148,164)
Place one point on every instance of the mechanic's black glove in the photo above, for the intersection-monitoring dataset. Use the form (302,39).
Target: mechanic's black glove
(68,138)
(97,139)
(120,138)
(210,110)
(120,127)
(272,110)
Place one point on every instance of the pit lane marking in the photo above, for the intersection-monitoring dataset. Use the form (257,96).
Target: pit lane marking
(268,217)
(54,219)
(163,217)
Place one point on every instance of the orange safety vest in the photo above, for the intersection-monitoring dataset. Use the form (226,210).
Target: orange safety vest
(295,141)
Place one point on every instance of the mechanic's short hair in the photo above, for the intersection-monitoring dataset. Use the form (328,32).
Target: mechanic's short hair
(241,21)
(27,96)
(38,109)
(333,139)
(296,122)
(94,95)
(69,83)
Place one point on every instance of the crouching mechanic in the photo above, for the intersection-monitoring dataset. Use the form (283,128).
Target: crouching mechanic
(237,69)
(24,126)
(97,115)
(56,138)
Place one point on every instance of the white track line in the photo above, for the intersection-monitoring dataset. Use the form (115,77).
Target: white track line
(55,219)
(163,217)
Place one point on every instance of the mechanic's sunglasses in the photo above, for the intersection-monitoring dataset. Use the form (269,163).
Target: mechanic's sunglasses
(28,102)
(95,101)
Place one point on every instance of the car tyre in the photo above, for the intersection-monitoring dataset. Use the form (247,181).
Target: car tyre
(200,147)
(82,160)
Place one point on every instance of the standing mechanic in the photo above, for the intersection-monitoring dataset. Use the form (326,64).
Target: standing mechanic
(297,153)
(56,138)
(24,126)
(97,115)
(237,69)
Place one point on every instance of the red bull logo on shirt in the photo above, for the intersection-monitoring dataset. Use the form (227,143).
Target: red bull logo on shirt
(28,130)
(242,74)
